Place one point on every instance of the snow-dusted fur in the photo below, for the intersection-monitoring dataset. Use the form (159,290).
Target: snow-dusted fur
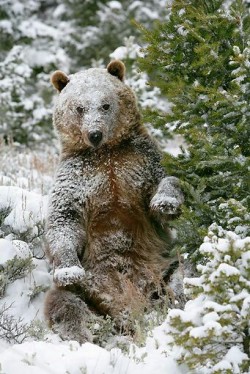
(107,228)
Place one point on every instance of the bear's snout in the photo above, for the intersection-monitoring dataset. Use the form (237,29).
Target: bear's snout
(95,137)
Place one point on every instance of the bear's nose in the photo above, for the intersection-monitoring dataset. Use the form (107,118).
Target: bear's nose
(95,137)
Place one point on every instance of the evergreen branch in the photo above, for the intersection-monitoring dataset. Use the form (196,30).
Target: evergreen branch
(246,342)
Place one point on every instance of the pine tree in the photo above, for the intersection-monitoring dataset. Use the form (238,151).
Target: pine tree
(29,51)
(14,74)
(212,334)
(199,58)
(96,28)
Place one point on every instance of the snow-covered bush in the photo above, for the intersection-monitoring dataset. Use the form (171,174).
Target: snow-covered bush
(23,281)
(212,333)
(96,28)
(24,273)
(23,204)
(23,212)
(29,50)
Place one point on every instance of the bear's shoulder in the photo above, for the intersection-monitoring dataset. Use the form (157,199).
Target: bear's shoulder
(144,144)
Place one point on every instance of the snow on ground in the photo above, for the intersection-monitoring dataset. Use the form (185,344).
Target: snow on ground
(57,357)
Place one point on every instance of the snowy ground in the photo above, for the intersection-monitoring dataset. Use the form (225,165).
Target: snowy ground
(53,356)
(25,180)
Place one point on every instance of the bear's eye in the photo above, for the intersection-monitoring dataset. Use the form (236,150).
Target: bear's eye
(106,106)
(80,109)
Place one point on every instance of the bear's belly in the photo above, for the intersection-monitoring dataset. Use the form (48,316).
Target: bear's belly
(115,214)
(115,225)
(118,202)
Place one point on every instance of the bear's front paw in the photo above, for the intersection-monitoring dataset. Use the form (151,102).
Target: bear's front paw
(67,276)
(167,199)
(165,205)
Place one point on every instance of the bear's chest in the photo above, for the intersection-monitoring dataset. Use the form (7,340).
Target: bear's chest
(115,180)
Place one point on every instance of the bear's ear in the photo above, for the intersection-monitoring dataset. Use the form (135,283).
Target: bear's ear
(117,68)
(59,80)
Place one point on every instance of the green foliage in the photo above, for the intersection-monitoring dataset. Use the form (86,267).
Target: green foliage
(233,215)
(36,290)
(199,58)
(213,329)
(103,328)
(14,269)
(37,330)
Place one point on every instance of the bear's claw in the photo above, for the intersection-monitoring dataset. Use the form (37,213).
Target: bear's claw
(169,205)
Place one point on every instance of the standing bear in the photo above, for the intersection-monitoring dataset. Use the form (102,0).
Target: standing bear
(107,228)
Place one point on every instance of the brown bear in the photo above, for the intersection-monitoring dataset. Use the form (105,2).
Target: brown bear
(107,228)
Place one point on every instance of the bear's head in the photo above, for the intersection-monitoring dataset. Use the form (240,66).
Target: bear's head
(94,107)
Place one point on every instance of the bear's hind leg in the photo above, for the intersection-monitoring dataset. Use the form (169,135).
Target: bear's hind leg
(67,314)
